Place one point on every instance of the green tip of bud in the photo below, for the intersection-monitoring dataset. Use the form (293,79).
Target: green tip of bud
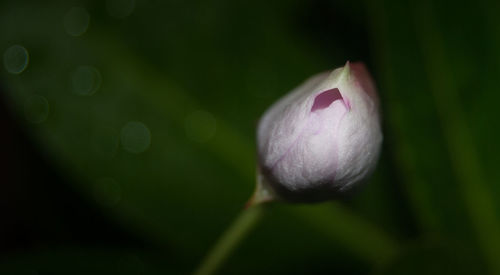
(346,72)
(340,74)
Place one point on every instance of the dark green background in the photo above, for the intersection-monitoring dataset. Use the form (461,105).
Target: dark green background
(76,199)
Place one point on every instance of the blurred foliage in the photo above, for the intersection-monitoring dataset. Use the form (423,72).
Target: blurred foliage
(148,110)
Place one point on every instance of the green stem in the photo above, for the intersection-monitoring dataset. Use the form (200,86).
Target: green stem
(230,239)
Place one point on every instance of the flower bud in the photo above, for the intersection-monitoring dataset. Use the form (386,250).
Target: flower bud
(323,137)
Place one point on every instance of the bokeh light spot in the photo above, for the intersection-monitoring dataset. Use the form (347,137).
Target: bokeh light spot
(36,109)
(108,192)
(76,21)
(85,80)
(135,137)
(200,126)
(15,59)
(120,8)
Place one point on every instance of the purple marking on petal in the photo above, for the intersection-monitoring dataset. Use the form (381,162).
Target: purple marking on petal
(324,99)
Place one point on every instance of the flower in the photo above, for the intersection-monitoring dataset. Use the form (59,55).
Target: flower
(323,137)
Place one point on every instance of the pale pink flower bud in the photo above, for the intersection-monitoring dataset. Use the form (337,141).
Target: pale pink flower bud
(323,137)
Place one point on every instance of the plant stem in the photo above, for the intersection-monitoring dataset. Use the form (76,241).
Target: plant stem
(230,239)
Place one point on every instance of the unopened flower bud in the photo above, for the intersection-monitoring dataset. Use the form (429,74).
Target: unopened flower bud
(323,137)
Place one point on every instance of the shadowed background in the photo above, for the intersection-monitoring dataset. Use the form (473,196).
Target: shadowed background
(128,135)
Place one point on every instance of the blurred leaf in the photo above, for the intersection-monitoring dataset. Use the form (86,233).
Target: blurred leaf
(465,160)
(447,64)
(431,257)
